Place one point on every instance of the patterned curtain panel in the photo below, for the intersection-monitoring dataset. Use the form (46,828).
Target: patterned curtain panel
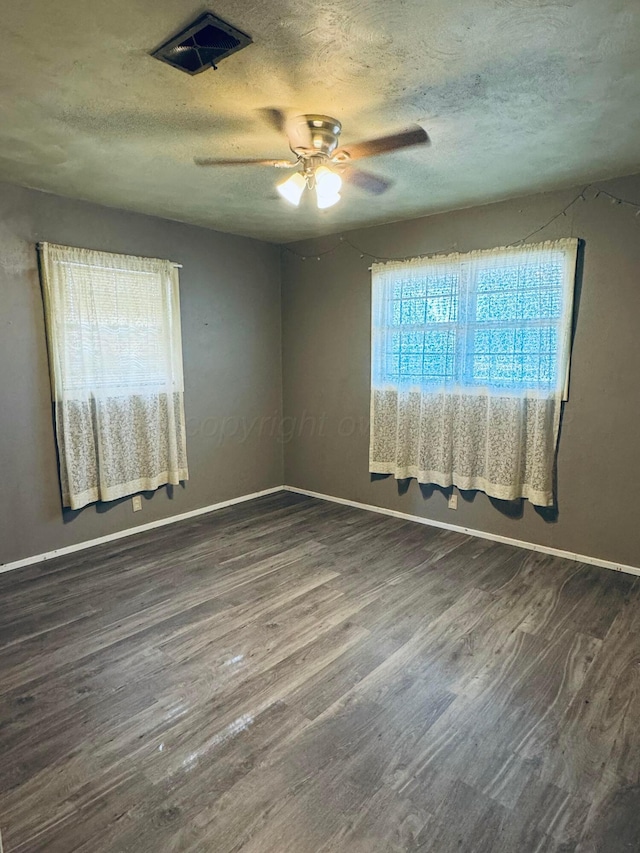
(470,366)
(115,355)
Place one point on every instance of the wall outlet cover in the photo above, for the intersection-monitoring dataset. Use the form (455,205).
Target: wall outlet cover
(453,502)
(136,500)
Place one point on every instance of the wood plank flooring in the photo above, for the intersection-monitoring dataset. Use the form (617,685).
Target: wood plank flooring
(292,676)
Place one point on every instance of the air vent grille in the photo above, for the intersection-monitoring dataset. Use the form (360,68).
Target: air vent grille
(202,45)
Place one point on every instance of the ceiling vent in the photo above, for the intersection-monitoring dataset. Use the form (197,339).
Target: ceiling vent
(202,45)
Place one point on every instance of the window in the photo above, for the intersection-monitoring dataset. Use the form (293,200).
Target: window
(494,319)
(115,354)
(117,327)
(470,361)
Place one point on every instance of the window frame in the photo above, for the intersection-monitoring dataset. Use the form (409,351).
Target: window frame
(465,269)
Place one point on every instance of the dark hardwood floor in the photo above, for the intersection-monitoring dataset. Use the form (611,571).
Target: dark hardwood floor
(292,676)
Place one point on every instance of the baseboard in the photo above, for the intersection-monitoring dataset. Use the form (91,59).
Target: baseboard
(494,537)
(131,531)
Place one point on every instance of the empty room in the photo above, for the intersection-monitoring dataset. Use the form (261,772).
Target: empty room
(319,420)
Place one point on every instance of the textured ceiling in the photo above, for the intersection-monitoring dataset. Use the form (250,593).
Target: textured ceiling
(517,95)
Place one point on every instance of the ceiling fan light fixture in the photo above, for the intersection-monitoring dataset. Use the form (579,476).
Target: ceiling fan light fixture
(327,182)
(328,186)
(292,188)
(313,139)
(325,200)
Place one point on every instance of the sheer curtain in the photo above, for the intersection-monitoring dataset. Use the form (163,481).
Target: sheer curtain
(115,355)
(470,363)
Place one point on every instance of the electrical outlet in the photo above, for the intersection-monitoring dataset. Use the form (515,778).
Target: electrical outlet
(136,500)
(453,501)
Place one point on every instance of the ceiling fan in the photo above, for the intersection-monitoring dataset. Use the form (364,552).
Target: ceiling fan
(321,164)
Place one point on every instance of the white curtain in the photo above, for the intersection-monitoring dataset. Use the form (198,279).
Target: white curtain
(470,363)
(115,355)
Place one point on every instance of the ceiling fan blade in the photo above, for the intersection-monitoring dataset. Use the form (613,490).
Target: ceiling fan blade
(275,118)
(366,181)
(279,164)
(144,123)
(413,136)
(289,125)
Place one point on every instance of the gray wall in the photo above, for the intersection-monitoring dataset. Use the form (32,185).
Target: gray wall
(230,299)
(231,312)
(326,341)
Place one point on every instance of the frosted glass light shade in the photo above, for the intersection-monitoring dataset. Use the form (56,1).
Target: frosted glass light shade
(325,200)
(327,182)
(292,188)
(328,185)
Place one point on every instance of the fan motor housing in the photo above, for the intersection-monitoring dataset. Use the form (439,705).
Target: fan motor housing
(203,44)
(324,132)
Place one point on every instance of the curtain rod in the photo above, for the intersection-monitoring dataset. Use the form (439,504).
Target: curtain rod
(177,266)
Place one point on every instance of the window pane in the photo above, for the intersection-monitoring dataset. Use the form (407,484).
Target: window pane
(491,321)
(520,292)
(439,356)
(440,285)
(421,356)
(520,276)
(412,342)
(413,289)
(411,365)
(412,311)
(514,356)
(522,305)
(429,300)
(442,309)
